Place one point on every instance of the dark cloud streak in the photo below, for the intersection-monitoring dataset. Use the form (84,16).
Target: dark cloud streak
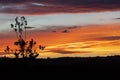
(117,18)
(109,38)
(65,2)
(59,6)
(67,51)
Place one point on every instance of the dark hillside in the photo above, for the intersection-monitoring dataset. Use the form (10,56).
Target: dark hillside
(101,64)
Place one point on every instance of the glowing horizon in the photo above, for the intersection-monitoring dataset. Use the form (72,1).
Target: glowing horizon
(76,28)
(97,40)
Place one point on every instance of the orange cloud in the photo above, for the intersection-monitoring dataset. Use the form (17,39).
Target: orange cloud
(92,40)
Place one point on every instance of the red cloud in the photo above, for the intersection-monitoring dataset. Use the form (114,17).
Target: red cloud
(58,6)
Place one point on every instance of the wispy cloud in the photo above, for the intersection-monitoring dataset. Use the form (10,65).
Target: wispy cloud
(110,38)
(38,4)
(58,20)
(12,6)
(97,40)
(57,6)
(85,49)
(116,18)
(67,51)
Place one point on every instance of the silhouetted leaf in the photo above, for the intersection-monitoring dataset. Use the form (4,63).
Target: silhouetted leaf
(12,26)
(15,30)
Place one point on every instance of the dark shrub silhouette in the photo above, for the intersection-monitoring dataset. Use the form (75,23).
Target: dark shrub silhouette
(7,50)
(25,47)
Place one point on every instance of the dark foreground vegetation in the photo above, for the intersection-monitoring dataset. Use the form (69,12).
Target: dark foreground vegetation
(64,65)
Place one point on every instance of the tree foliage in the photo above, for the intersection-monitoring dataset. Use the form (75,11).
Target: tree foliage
(25,47)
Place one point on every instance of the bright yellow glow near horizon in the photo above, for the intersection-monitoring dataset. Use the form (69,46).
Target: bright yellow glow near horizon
(89,41)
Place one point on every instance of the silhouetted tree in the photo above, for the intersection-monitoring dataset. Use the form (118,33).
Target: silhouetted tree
(25,47)
(16,54)
(7,50)
(41,47)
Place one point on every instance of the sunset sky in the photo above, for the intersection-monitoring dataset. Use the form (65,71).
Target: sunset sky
(68,28)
